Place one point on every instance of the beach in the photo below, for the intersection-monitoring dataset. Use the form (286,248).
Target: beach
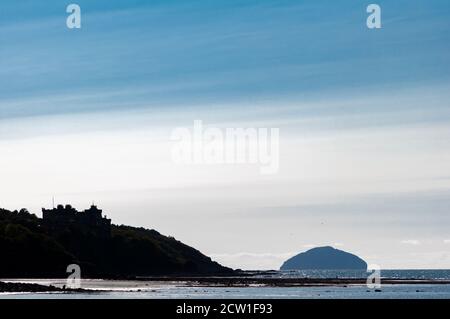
(256,285)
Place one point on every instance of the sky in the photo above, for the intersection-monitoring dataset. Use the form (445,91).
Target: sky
(86,115)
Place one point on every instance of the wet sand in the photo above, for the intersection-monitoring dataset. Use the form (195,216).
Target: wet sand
(27,285)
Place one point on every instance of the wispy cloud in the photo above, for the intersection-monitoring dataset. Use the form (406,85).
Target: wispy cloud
(365,136)
(321,245)
(235,56)
(254,255)
(413,242)
(252,261)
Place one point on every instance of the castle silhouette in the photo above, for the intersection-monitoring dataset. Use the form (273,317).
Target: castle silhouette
(60,218)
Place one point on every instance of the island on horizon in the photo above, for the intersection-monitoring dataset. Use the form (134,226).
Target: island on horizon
(324,258)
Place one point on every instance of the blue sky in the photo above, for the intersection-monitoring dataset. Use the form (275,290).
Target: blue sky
(364,120)
(172,53)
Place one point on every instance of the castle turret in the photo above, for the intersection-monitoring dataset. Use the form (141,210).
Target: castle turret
(62,217)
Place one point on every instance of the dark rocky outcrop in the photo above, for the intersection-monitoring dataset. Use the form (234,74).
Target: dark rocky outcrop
(26,287)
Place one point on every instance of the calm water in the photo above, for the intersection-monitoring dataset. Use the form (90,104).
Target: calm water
(441,274)
(152,289)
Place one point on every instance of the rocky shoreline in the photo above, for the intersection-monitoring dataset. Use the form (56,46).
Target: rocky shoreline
(12,287)
(27,287)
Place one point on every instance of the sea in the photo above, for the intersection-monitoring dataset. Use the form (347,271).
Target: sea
(142,289)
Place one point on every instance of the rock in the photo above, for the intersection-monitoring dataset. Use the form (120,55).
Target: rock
(323,258)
